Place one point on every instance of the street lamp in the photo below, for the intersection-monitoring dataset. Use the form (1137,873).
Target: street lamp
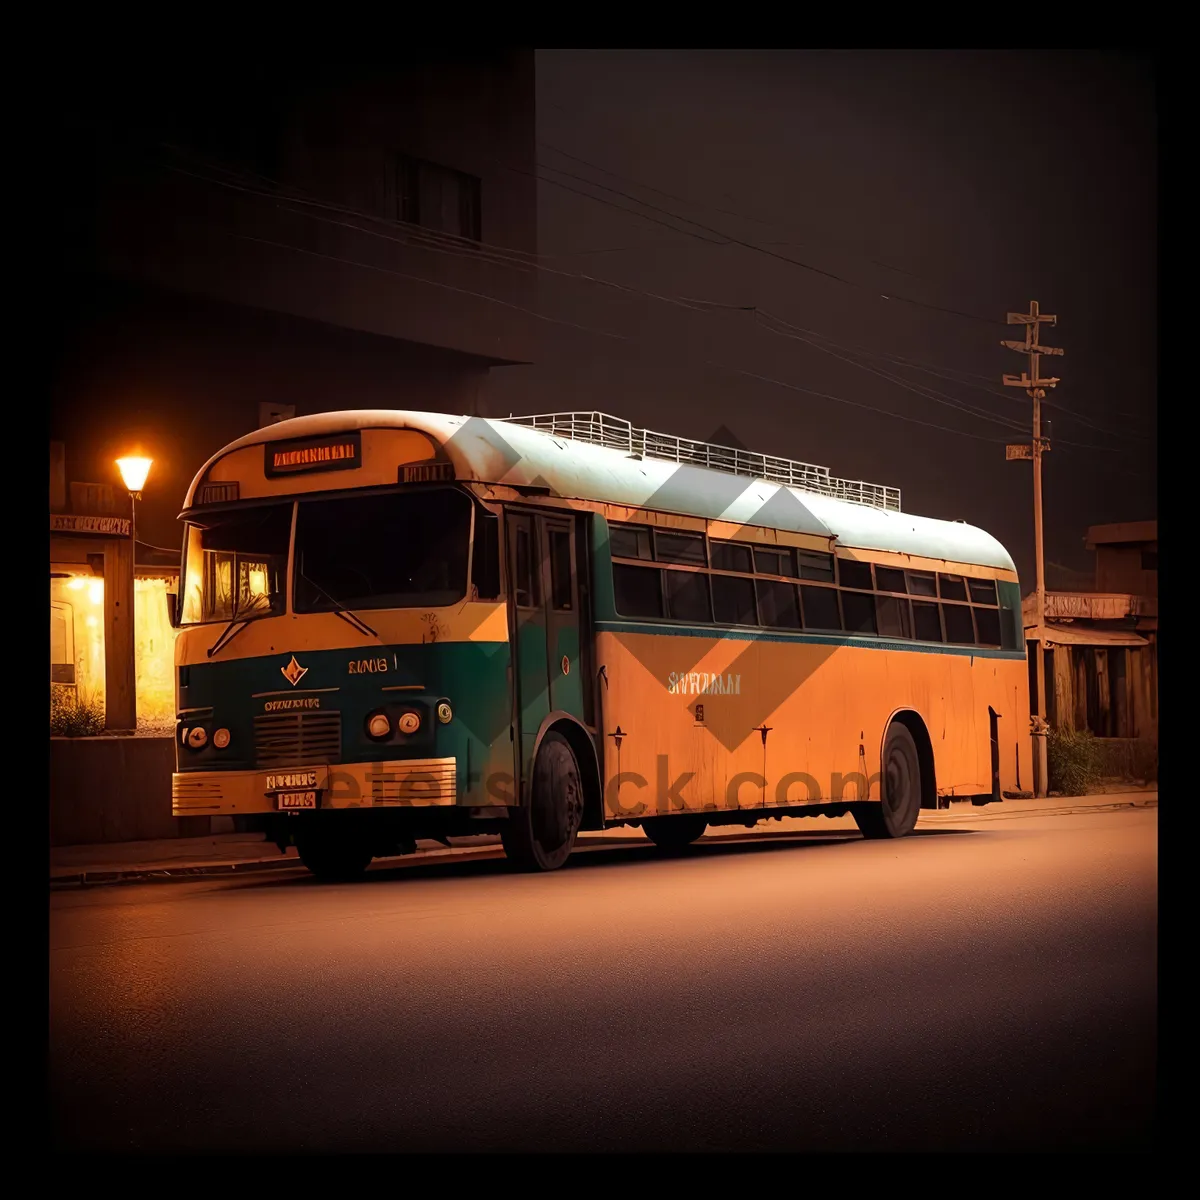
(133,474)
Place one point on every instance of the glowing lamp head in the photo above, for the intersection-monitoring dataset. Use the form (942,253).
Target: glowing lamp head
(134,471)
(197,737)
(378,726)
(221,738)
(409,723)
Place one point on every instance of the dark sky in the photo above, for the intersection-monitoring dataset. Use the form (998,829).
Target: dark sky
(971,182)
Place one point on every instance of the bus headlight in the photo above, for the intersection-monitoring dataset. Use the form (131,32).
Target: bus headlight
(409,723)
(197,737)
(221,739)
(378,726)
(445,713)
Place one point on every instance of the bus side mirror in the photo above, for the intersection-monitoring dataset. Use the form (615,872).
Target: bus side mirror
(173,609)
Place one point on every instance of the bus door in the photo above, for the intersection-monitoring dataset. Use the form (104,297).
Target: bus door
(547,589)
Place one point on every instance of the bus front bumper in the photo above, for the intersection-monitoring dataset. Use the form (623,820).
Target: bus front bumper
(407,783)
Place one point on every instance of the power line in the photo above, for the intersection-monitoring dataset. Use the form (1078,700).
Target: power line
(431,282)
(724,211)
(621,337)
(437,242)
(730,239)
(942,373)
(928,393)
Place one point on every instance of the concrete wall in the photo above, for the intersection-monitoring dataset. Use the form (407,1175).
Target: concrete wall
(114,789)
(172,198)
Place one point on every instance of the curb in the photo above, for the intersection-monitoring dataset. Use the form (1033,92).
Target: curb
(291,862)
(83,878)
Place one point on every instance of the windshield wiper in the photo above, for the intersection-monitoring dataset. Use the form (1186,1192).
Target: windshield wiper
(241,623)
(339,608)
(227,637)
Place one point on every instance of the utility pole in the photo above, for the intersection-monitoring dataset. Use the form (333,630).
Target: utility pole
(1035,386)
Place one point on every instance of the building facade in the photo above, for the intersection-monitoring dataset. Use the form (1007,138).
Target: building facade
(244,242)
(247,245)
(1101,643)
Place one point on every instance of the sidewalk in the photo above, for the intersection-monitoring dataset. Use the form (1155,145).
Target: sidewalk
(239,853)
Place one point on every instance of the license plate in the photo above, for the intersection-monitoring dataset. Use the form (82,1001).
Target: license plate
(291,779)
(297,799)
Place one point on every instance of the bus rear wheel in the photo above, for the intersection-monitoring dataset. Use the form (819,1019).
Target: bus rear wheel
(672,834)
(540,835)
(896,814)
(333,859)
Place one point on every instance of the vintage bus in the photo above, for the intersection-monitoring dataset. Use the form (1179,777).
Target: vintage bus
(399,625)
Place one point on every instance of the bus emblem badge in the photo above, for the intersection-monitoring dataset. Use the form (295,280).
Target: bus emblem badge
(294,672)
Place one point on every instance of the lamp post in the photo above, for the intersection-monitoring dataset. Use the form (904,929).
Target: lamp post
(133,474)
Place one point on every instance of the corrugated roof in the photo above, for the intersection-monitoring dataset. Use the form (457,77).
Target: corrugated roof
(1078,635)
(502,453)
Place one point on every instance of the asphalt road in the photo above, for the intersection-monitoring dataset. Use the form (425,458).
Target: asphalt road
(987,983)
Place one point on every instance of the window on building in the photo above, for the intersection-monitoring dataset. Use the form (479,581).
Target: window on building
(439,198)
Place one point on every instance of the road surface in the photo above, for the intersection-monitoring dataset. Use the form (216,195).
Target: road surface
(987,983)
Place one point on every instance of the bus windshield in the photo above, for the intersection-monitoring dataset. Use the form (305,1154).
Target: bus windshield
(398,550)
(236,565)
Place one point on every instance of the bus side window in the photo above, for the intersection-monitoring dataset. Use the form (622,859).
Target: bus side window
(525,566)
(560,569)
(485,568)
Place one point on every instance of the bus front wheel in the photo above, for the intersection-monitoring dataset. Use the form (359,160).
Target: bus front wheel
(896,814)
(333,859)
(674,833)
(540,835)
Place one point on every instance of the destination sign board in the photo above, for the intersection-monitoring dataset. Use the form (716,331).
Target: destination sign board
(299,456)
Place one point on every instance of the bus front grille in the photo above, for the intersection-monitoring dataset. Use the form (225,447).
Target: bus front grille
(297,738)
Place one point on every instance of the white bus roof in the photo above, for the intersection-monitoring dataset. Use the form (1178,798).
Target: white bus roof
(520,455)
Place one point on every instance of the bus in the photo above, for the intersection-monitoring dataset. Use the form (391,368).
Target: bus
(399,626)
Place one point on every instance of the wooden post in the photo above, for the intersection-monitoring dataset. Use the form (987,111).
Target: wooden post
(120,675)
(1081,689)
(1064,689)
(1103,694)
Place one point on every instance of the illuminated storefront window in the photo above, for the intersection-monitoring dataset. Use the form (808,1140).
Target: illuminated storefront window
(77,647)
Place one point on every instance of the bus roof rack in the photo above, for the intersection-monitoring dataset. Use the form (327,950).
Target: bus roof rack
(601,429)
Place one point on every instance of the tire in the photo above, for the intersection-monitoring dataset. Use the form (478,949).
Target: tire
(540,835)
(672,834)
(896,814)
(333,859)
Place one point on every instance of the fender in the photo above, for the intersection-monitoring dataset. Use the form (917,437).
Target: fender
(928,787)
(560,716)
